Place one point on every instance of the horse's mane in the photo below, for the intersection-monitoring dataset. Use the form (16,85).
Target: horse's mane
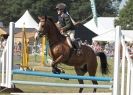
(56,29)
(53,22)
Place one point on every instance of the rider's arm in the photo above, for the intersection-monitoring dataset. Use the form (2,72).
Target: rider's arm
(68,23)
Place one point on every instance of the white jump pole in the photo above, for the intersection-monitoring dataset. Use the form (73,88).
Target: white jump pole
(129,64)
(7,62)
(131,91)
(11,37)
(3,62)
(128,72)
(116,62)
(10,55)
(128,68)
(123,70)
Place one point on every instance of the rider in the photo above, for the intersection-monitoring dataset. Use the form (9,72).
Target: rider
(66,25)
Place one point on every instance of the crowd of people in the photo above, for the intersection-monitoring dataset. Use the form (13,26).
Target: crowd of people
(17,48)
(107,48)
(67,28)
(3,39)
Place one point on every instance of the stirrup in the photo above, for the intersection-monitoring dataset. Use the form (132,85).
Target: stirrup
(78,51)
(77,39)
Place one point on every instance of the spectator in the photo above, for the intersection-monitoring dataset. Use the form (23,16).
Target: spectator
(19,45)
(85,43)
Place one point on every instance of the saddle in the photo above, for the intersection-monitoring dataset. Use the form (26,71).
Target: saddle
(75,45)
(76,48)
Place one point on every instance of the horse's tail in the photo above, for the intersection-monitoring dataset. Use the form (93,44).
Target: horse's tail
(104,64)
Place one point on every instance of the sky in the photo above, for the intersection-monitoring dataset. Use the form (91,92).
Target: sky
(122,4)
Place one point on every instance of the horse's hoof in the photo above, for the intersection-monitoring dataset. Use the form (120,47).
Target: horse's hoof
(62,71)
(56,71)
(65,78)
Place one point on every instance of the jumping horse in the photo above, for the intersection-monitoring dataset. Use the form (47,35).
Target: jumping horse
(61,52)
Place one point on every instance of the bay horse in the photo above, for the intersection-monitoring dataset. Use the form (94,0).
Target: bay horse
(61,52)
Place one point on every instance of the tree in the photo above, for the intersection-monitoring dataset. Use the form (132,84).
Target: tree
(125,19)
(105,8)
(12,10)
(80,9)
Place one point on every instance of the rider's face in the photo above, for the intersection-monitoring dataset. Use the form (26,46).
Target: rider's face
(59,11)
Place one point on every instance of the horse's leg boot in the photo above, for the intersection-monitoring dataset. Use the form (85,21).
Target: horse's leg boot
(56,70)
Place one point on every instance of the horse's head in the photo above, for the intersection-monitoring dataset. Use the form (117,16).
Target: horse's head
(42,25)
(46,24)
(47,27)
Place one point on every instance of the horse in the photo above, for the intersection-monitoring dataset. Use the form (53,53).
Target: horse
(61,52)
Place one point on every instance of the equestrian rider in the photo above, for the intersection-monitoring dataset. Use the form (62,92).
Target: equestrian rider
(66,25)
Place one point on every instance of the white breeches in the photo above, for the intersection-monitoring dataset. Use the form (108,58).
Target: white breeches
(71,33)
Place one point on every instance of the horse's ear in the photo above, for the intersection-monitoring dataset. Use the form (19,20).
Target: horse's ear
(45,16)
(42,18)
(39,18)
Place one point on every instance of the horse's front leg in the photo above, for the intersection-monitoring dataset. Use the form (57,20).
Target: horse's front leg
(55,63)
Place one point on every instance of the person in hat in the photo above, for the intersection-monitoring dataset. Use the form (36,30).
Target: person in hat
(66,25)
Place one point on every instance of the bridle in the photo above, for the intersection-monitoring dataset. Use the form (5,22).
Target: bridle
(40,32)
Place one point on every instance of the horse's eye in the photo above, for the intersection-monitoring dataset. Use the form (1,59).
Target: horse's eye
(42,25)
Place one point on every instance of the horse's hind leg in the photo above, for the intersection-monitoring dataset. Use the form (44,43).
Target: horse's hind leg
(92,71)
(96,83)
(81,72)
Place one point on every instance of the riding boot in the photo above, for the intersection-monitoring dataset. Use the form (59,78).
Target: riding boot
(76,46)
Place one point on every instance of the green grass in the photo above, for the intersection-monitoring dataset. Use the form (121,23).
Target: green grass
(68,70)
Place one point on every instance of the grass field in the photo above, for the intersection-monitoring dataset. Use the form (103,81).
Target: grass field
(44,89)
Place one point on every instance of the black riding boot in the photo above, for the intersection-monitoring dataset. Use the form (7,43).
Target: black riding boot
(76,46)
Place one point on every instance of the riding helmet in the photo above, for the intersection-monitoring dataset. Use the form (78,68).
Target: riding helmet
(61,6)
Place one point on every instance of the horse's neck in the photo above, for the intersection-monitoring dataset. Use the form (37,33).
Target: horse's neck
(55,36)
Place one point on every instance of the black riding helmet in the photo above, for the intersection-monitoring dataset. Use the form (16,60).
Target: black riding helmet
(61,6)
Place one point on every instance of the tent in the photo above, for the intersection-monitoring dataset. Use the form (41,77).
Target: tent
(2,31)
(84,33)
(104,24)
(29,37)
(26,21)
(110,36)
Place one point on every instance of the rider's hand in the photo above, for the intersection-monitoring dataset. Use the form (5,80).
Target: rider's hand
(62,30)
(36,35)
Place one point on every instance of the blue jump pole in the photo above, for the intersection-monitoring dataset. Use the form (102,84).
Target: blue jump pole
(44,74)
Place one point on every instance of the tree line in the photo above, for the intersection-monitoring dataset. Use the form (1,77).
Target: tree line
(12,10)
(125,19)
